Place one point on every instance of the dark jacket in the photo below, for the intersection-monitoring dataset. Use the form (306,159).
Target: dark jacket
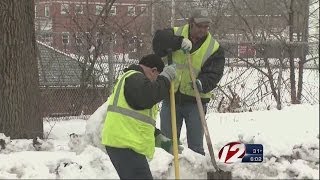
(141,93)
(211,72)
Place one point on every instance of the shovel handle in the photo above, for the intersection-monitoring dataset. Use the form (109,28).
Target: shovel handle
(202,115)
(174,123)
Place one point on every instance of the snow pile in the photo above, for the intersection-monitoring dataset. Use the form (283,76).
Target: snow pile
(290,138)
(94,127)
(91,163)
(4,141)
(9,146)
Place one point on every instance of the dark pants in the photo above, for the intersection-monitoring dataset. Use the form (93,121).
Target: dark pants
(190,114)
(129,164)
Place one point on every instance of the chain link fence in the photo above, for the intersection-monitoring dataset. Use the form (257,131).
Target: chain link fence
(257,69)
(242,89)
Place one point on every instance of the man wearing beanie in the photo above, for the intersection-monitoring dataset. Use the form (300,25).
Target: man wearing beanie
(129,132)
(208,63)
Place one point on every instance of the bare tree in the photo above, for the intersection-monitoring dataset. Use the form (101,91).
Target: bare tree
(277,31)
(288,37)
(95,37)
(20,115)
(91,39)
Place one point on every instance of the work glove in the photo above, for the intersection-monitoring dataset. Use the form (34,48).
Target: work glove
(199,85)
(186,45)
(169,72)
(166,144)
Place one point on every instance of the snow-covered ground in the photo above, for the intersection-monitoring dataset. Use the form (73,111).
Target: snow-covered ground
(290,138)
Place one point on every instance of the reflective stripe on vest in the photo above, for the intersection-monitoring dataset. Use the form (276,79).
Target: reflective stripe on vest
(199,57)
(132,114)
(128,112)
(125,127)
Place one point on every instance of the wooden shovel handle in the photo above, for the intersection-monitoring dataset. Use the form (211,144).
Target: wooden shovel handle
(174,123)
(202,115)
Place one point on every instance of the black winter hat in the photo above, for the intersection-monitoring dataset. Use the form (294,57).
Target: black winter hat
(152,60)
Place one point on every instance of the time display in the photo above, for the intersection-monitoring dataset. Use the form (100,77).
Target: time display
(254,153)
(252,158)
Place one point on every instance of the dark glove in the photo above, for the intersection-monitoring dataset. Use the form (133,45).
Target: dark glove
(199,85)
(166,144)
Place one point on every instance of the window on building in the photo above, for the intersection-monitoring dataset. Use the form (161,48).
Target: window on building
(35,10)
(65,38)
(99,8)
(114,38)
(64,8)
(131,11)
(78,9)
(78,38)
(46,11)
(143,10)
(113,11)
(47,38)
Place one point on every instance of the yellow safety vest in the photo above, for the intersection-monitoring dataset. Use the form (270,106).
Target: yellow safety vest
(125,127)
(199,57)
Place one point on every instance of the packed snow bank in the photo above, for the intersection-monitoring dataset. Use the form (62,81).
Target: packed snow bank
(290,138)
(94,126)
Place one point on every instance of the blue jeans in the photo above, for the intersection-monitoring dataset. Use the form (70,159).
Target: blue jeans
(190,114)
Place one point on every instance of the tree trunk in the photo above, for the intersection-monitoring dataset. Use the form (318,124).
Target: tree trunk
(291,57)
(281,65)
(304,48)
(272,83)
(20,115)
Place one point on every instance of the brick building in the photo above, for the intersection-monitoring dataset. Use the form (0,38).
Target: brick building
(68,25)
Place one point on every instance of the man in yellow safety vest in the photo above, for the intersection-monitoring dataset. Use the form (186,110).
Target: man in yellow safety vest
(208,64)
(129,132)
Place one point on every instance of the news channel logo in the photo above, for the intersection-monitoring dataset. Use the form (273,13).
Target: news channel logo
(234,152)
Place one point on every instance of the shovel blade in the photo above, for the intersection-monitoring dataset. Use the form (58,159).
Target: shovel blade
(219,175)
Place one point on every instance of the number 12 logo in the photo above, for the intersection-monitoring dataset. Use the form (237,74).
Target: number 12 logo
(232,152)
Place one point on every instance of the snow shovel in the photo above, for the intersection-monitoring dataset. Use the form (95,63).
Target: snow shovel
(173,122)
(218,174)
